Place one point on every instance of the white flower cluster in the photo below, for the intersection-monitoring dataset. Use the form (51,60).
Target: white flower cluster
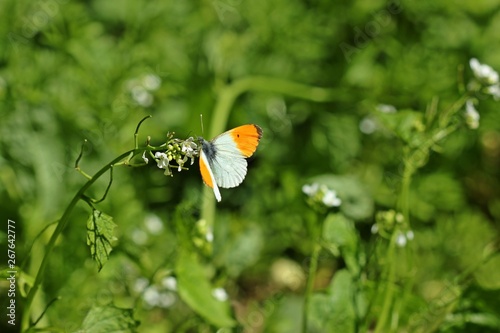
(177,150)
(486,80)
(322,194)
(153,226)
(140,89)
(484,73)
(403,237)
(162,296)
(391,221)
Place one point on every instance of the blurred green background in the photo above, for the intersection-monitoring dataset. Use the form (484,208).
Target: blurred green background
(76,70)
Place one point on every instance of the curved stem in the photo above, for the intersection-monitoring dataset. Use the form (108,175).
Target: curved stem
(25,323)
(228,95)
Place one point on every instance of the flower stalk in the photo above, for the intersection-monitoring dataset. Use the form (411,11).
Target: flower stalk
(173,150)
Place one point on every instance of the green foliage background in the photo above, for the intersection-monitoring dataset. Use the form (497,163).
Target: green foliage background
(67,73)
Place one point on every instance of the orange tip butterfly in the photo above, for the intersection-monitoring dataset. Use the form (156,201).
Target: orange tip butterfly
(222,160)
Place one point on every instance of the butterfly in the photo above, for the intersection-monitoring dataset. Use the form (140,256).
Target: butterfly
(222,160)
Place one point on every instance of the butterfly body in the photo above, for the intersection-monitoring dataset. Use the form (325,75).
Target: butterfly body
(223,159)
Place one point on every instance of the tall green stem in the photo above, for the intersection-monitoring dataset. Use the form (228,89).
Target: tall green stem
(313,267)
(390,288)
(25,323)
(414,160)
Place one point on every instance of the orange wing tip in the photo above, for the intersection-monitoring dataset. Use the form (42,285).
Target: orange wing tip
(247,138)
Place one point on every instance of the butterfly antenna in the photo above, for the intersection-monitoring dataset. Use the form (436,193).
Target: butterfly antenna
(201,120)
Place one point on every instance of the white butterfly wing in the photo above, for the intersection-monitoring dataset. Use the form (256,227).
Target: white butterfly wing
(222,160)
(229,166)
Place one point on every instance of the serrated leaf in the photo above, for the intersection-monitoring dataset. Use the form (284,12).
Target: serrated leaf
(196,290)
(109,319)
(100,236)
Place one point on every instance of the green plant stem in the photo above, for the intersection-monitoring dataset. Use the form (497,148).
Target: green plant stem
(447,114)
(25,322)
(412,163)
(310,285)
(226,98)
(390,289)
(405,192)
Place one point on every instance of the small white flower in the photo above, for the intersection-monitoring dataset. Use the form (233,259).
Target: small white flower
(386,108)
(494,91)
(310,190)
(483,72)
(140,284)
(153,224)
(145,158)
(151,82)
(471,115)
(374,229)
(187,149)
(410,235)
(139,237)
(401,240)
(142,96)
(190,148)
(166,299)
(162,160)
(367,125)
(170,283)
(220,294)
(209,236)
(151,296)
(330,199)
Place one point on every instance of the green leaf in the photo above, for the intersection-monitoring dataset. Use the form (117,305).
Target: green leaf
(99,236)
(109,319)
(242,250)
(339,234)
(343,315)
(335,310)
(196,290)
(434,193)
(488,274)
